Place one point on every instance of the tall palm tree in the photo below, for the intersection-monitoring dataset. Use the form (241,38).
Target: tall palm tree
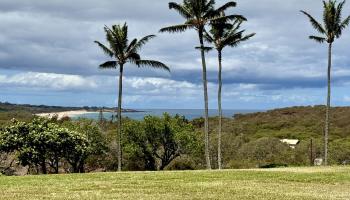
(122,52)
(198,13)
(224,34)
(331,29)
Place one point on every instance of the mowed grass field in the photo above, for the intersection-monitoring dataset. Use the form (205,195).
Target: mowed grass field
(282,183)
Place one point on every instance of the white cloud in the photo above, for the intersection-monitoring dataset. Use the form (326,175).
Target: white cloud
(48,81)
(55,40)
(346,98)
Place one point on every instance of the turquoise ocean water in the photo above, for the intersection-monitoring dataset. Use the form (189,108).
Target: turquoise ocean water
(188,113)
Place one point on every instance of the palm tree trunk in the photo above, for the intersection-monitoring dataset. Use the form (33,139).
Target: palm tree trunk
(119,136)
(220,110)
(205,88)
(326,132)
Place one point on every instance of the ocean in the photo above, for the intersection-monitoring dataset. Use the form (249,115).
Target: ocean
(188,113)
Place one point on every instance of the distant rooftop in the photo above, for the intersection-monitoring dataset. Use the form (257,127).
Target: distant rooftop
(291,142)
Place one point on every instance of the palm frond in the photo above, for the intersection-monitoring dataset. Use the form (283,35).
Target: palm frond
(208,10)
(318,39)
(153,64)
(205,49)
(228,17)
(113,40)
(329,13)
(242,39)
(134,57)
(109,65)
(176,28)
(227,5)
(235,27)
(208,37)
(339,12)
(131,45)
(121,34)
(180,9)
(345,23)
(314,23)
(231,38)
(105,49)
(209,5)
(143,41)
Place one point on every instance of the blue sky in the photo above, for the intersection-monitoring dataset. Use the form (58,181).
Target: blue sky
(47,56)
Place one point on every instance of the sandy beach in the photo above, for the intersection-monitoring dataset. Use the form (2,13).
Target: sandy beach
(60,115)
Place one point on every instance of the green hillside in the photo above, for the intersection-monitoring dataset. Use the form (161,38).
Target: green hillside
(257,135)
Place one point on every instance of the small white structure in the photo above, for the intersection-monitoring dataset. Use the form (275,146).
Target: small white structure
(291,142)
(318,161)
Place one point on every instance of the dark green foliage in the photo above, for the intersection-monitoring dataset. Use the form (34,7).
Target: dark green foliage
(340,151)
(266,151)
(333,24)
(44,145)
(197,14)
(93,153)
(225,33)
(122,51)
(159,140)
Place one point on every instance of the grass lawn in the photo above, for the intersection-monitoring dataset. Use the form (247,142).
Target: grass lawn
(284,183)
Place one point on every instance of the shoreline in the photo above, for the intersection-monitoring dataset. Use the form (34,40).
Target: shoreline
(63,114)
(74,113)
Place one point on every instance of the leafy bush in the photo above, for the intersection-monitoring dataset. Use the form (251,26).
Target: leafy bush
(340,151)
(265,151)
(158,141)
(44,145)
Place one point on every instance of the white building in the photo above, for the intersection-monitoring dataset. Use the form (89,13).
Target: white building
(291,142)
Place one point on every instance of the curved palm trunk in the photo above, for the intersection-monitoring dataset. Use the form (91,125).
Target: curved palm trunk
(205,87)
(220,110)
(119,135)
(328,104)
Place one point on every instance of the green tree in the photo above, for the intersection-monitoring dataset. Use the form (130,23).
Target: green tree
(160,140)
(124,52)
(331,29)
(43,144)
(80,151)
(224,34)
(199,13)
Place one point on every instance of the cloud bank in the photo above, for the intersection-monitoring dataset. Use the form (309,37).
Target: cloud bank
(47,49)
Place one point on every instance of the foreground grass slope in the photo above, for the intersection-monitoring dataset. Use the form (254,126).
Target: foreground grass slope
(283,183)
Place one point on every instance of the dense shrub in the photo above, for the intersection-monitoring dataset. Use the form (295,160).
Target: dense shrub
(266,151)
(44,145)
(340,151)
(158,141)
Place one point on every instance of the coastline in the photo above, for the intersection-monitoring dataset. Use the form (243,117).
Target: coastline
(73,113)
(63,114)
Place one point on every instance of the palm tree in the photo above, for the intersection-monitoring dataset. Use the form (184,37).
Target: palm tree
(124,52)
(198,13)
(224,34)
(331,29)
